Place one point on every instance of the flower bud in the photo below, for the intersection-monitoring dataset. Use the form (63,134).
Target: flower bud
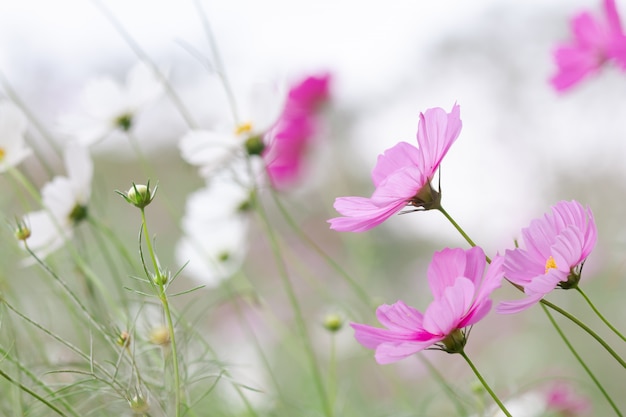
(254,145)
(139,195)
(123,339)
(159,336)
(333,322)
(138,404)
(22,231)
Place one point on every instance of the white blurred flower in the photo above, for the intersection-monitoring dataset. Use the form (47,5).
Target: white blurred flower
(212,149)
(215,231)
(107,106)
(65,203)
(13,150)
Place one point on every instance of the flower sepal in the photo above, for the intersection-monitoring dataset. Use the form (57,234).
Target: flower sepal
(454,342)
(139,195)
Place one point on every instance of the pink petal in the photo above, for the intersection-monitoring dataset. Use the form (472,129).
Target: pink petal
(511,307)
(574,64)
(612,17)
(436,132)
(362,214)
(399,317)
(444,314)
(449,264)
(520,268)
(393,352)
(400,186)
(399,156)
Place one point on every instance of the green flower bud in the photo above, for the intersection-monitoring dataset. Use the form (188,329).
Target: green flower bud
(138,404)
(254,145)
(139,195)
(22,231)
(333,322)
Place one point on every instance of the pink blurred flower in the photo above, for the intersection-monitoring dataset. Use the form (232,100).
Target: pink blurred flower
(461,299)
(595,42)
(564,401)
(402,175)
(289,139)
(556,248)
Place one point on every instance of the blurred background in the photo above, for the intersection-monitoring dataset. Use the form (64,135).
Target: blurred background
(523,147)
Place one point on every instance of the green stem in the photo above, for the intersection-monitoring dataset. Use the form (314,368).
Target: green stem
(545,302)
(32,393)
(300,323)
(593,307)
(586,329)
(456,226)
(363,296)
(582,363)
(450,392)
(36,380)
(484,383)
(160,280)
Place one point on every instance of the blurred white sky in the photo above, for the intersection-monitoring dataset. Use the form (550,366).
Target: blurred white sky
(390,61)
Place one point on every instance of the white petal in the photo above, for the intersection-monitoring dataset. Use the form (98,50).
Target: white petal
(142,87)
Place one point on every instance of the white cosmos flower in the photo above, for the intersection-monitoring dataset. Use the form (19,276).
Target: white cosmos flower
(65,203)
(215,231)
(13,150)
(108,106)
(212,149)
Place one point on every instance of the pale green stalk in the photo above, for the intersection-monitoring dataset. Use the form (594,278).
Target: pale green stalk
(363,296)
(484,383)
(449,390)
(37,381)
(582,363)
(300,323)
(143,56)
(604,320)
(217,61)
(10,92)
(160,280)
(32,393)
(94,365)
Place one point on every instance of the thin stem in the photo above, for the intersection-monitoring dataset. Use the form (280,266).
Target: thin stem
(450,392)
(300,323)
(32,393)
(543,301)
(585,328)
(36,380)
(217,61)
(363,296)
(143,56)
(484,383)
(593,307)
(456,226)
(582,363)
(160,280)
(8,88)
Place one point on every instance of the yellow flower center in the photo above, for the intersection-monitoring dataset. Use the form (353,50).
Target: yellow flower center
(2,154)
(243,128)
(550,264)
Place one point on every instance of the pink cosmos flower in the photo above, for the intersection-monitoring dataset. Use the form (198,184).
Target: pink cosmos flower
(290,137)
(461,299)
(562,399)
(402,175)
(556,247)
(595,42)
